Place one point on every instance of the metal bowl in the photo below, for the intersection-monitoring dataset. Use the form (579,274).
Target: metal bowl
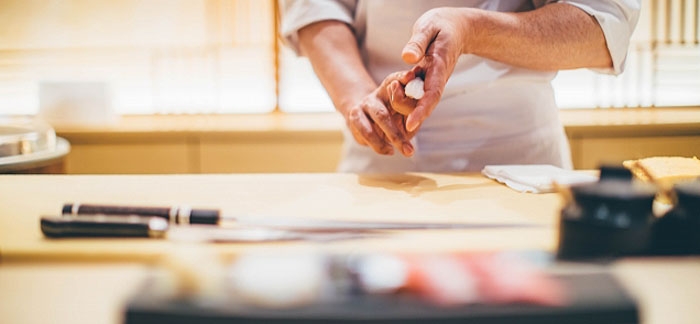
(28,142)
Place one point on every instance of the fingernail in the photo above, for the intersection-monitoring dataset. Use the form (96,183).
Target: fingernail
(407,149)
(389,151)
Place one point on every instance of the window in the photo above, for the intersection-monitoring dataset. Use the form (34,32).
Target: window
(220,56)
(663,64)
(156,56)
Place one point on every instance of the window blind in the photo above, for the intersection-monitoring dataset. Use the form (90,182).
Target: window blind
(156,56)
(663,64)
(219,56)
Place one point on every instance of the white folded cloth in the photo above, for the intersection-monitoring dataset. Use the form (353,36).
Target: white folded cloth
(535,178)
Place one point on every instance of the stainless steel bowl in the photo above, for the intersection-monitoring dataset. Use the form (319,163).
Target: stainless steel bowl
(28,142)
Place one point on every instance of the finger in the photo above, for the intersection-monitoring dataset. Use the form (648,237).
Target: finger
(407,76)
(436,75)
(412,133)
(387,148)
(402,77)
(420,40)
(398,121)
(381,116)
(358,137)
(424,108)
(370,136)
(398,99)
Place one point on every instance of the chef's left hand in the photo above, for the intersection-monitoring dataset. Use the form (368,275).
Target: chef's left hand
(437,42)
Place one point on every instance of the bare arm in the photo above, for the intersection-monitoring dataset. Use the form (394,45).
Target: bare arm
(554,37)
(332,49)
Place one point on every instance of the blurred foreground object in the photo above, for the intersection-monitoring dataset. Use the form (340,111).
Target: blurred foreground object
(609,218)
(385,288)
(28,145)
(665,171)
(678,231)
(665,168)
(616,216)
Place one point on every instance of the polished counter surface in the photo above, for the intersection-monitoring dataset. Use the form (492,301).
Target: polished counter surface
(87,280)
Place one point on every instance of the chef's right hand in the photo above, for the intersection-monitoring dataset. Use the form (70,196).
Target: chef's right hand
(378,119)
(439,37)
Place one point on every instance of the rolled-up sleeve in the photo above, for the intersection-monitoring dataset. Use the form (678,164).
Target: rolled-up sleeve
(296,14)
(617,19)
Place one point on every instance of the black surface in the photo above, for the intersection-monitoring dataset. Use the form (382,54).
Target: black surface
(688,195)
(205,216)
(57,227)
(615,172)
(614,197)
(583,239)
(678,232)
(594,298)
(609,218)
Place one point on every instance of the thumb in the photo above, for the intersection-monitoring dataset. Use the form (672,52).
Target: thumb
(415,49)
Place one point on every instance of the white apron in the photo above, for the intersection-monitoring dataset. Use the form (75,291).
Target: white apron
(490,113)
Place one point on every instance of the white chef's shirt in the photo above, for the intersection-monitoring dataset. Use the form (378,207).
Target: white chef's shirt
(490,112)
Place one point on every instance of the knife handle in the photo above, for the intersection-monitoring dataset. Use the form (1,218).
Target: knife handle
(103,226)
(90,209)
(176,214)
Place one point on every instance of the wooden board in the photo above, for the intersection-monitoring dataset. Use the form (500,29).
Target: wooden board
(403,197)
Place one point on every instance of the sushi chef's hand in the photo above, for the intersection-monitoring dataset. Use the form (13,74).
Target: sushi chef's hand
(557,36)
(370,110)
(377,120)
(436,44)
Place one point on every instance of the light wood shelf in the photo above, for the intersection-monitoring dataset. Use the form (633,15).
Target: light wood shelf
(281,142)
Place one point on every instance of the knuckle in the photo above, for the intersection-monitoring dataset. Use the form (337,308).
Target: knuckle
(381,115)
(394,76)
(364,106)
(364,132)
(354,114)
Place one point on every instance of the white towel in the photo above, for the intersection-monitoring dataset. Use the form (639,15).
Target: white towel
(535,178)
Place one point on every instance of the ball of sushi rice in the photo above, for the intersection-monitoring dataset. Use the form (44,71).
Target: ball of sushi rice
(414,88)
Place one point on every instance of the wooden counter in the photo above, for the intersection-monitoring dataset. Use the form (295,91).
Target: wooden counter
(313,142)
(87,280)
(411,197)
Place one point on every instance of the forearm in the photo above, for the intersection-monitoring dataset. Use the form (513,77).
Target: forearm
(554,37)
(332,49)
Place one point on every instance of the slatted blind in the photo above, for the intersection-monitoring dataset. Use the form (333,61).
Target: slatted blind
(157,56)
(663,64)
(218,56)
